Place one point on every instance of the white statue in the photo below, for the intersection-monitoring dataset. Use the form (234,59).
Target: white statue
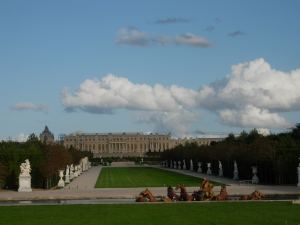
(208,172)
(24,177)
(255,179)
(67,176)
(220,169)
(175,166)
(191,165)
(61,182)
(25,168)
(71,172)
(199,170)
(235,171)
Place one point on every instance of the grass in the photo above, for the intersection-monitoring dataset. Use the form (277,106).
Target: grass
(237,213)
(124,177)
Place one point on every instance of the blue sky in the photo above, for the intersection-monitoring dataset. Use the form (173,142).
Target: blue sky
(46,46)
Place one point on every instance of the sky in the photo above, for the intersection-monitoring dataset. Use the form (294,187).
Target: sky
(185,67)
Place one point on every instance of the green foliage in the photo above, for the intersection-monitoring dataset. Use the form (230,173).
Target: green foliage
(275,155)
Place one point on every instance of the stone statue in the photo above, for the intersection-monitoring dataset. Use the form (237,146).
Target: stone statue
(179,165)
(191,165)
(199,170)
(61,182)
(71,172)
(25,168)
(67,176)
(235,171)
(184,165)
(175,166)
(208,172)
(24,177)
(220,169)
(255,179)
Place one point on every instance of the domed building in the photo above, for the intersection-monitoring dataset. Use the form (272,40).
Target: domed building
(46,136)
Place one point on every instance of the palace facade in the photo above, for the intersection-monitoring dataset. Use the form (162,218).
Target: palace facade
(126,144)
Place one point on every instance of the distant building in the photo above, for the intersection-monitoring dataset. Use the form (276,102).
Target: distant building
(46,136)
(127,144)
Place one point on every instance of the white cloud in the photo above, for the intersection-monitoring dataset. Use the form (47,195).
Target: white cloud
(176,122)
(29,106)
(251,116)
(134,36)
(253,95)
(22,137)
(112,92)
(256,83)
(166,106)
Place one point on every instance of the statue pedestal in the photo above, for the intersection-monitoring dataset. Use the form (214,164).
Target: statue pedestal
(67,179)
(24,183)
(208,172)
(255,179)
(235,175)
(61,183)
(220,172)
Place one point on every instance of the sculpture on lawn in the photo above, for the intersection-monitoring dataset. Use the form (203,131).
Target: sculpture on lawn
(223,194)
(184,196)
(256,195)
(24,177)
(25,168)
(146,196)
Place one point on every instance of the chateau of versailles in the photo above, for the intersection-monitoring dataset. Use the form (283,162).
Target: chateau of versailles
(127,144)
(122,144)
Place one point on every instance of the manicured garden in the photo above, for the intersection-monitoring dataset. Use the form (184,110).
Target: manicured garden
(123,177)
(237,213)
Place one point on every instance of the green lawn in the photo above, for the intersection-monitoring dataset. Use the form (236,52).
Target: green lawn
(113,177)
(237,213)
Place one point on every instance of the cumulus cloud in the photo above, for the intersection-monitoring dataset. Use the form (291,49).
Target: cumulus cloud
(176,122)
(236,33)
(21,106)
(172,20)
(165,106)
(251,116)
(253,91)
(253,95)
(112,92)
(133,36)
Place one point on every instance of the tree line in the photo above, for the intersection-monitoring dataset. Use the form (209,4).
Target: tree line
(276,156)
(45,161)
